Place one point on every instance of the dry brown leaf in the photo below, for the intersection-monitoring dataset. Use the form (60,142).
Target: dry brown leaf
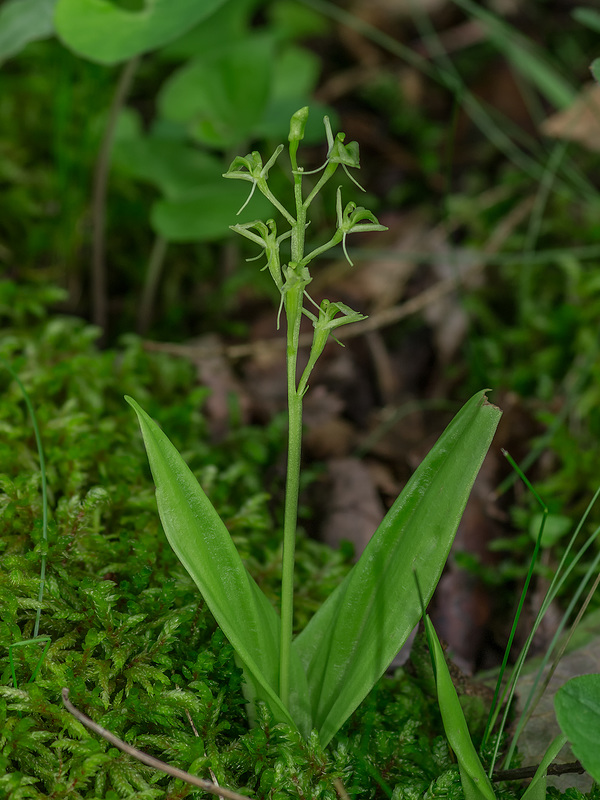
(580,122)
(355,508)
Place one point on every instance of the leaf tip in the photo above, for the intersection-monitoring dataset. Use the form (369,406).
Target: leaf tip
(486,402)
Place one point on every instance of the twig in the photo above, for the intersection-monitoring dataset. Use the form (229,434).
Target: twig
(99,296)
(150,761)
(520,773)
(340,789)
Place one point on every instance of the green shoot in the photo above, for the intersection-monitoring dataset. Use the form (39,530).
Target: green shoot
(496,705)
(560,576)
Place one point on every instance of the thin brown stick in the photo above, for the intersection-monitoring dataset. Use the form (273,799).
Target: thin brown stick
(521,773)
(99,292)
(340,789)
(150,761)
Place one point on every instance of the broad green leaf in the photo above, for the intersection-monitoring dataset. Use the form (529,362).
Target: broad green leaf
(588,17)
(222,96)
(577,706)
(101,31)
(203,545)
(229,23)
(296,75)
(295,21)
(197,204)
(24,21)
(555,528)
(205,213)
(475,782)
(293,82)
(172,166)
(537,788)
(354,636)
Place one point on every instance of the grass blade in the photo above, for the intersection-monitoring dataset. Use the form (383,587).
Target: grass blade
(537,788)
(476,784)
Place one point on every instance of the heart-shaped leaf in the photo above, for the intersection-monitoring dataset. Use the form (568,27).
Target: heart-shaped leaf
(205,213)
(577,706)
(172,166)
(101,31)
(222,97)
(24,21)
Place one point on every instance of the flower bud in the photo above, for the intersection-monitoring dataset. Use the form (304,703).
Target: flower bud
(297,125)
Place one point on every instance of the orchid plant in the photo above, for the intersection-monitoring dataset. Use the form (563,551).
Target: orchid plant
(317,679)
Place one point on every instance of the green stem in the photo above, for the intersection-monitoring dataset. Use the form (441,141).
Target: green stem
(327,174)
(335,240)
(40,449)
(294,300)
(289,528)
(272,199)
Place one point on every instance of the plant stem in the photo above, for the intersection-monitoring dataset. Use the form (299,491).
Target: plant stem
(153,272)
(293,308)
(293,299)
(289,528)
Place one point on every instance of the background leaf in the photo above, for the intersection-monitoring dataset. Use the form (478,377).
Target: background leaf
(353,637)
(222,97)
(172,166)
(103,32)
(198,205)
(24,21)
(588,17)
(205,213)
(577,706)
